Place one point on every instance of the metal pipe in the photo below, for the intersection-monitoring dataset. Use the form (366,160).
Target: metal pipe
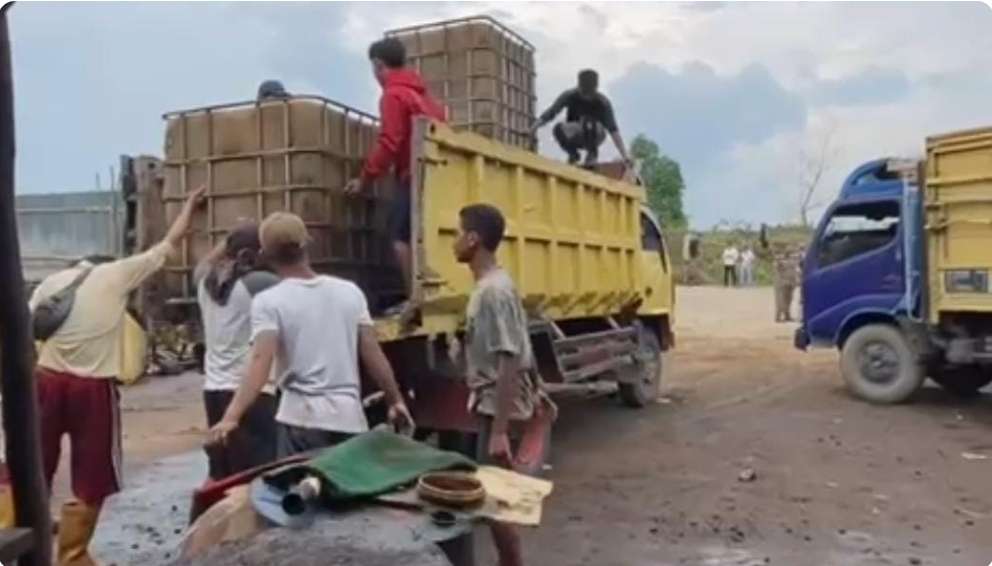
(329,102)
(66,210)
(20,414)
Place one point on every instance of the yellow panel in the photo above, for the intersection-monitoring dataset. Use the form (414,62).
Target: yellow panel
(958,200)
(573,237)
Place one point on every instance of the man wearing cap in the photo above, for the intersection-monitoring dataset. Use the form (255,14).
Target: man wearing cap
(588,118)
(315,329)
(76,377)
(271,90)
(404,96)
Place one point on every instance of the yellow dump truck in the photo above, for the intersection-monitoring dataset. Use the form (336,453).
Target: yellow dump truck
(897,275)
(589,259)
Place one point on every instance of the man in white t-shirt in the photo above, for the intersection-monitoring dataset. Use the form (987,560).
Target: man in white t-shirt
(730,257)
(314,328)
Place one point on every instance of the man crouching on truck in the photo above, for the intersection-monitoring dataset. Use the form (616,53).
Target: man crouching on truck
(588,118)
(504,391)
(315,328)
(404,97)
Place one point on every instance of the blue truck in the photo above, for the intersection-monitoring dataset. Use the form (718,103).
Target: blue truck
(897,274)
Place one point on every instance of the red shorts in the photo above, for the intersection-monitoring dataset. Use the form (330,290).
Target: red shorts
(88,410)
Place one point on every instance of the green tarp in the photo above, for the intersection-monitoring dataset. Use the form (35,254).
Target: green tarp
(370,464)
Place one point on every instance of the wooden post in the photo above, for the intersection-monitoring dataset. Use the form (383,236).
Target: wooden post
(20,407)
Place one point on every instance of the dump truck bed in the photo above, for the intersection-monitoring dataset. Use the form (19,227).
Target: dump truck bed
(958,206)
(573,237)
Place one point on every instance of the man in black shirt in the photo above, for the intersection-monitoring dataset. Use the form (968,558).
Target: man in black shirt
(588,117)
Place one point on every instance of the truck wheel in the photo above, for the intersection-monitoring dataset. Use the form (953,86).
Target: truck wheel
(879,366)
(962,381)
(646,383)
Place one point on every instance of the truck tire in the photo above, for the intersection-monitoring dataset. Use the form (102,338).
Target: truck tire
(962,381)
(646,385)
(879,365)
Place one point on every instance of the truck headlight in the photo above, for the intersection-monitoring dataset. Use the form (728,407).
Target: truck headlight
(966,281)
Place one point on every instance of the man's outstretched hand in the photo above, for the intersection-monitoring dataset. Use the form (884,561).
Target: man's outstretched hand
(219,432)
(399,416)
(354,187)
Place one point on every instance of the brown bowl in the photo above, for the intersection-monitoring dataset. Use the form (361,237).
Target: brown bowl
(452,489)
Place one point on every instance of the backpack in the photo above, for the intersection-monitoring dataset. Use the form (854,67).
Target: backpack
(51,312)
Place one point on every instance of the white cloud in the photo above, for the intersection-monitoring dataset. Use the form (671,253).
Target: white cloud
(886,74)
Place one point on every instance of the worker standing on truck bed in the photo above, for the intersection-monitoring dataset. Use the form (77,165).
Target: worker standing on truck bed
(588,118)
(404,97)
(504,391)
(315,329)
(76,380)
(226,281)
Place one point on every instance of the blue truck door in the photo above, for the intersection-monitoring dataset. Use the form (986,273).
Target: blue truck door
(855,265)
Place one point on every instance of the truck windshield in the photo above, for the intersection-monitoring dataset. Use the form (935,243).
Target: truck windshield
(651,238)
(857,229)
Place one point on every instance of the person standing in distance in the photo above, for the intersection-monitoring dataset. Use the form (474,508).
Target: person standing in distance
(404,97)
(588,118)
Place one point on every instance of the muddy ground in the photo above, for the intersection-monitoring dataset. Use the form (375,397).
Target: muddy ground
(830,480)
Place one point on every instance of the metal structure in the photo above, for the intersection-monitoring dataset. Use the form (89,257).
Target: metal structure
(482,72)
(291,154)
(70,224)
(30,544)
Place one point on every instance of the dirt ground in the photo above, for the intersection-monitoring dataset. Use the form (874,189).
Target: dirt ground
(754,455)
(836,481)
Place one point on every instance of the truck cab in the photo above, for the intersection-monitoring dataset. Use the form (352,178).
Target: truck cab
(863,268)
(897,274)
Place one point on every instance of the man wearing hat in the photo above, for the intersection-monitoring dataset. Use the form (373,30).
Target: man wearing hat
(271,90)
(315,329)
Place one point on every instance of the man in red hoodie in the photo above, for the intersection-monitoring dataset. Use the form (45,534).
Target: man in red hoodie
(404,97)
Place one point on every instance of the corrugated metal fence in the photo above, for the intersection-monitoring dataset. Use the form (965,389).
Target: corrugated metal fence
(56,228)
(70,224)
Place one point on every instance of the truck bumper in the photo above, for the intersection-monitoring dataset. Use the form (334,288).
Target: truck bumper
(801,339)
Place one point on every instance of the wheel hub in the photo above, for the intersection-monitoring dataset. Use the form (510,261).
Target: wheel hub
(879,362)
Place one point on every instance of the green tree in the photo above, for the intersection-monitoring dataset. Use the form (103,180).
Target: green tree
(663,181)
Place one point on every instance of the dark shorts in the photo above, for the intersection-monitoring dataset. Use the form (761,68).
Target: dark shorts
(88,411)
(400,212)
(292,440)
(250,445)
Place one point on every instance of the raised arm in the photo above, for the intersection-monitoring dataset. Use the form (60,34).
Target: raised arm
(130,272)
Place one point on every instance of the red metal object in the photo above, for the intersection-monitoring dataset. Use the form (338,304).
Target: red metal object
(214,490)
(442,404)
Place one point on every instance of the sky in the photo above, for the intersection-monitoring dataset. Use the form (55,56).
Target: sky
(745,96)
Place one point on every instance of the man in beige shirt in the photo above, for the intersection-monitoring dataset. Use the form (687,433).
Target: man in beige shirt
(504,390)
(77,390)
